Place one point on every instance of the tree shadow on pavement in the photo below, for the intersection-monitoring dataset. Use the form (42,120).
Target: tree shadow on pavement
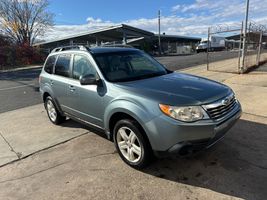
(236,166)
(21,75)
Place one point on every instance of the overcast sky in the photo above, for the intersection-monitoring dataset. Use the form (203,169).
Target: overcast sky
(190,18)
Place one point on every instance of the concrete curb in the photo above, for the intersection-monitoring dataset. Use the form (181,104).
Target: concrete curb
(21,68)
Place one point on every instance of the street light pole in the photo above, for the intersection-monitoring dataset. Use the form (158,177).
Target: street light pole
(245,37)
(159,32)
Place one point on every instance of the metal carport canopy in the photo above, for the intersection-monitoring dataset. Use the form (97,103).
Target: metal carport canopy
(112,33)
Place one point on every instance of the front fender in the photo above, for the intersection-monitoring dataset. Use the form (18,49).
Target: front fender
(138,112)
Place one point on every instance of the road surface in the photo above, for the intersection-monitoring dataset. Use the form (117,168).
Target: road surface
(19,89)
(185,61)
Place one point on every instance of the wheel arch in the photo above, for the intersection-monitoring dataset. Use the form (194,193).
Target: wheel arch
(125,108)
(117,116)
(49,93)
(45,95)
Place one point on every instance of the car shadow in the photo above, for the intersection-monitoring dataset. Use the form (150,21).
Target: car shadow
(236,166)
(74,124)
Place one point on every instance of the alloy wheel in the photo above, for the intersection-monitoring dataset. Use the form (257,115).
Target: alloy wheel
(51,110)
(129,144)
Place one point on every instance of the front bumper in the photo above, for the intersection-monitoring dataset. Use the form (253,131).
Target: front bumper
(170,136)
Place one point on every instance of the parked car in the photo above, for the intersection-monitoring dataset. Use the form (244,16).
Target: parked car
(143,107)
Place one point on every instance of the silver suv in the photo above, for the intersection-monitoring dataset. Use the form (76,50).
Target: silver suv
(143,107)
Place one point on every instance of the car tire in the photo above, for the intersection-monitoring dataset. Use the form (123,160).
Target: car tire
(53,114)
(131,144)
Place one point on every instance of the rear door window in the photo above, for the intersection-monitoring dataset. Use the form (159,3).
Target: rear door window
(49,65)
(62,67)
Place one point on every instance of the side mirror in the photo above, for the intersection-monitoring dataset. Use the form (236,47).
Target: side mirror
(88,79)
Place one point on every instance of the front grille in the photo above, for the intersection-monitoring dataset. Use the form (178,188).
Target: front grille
(220,108)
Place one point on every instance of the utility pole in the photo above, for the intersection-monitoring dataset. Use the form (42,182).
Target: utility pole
(245,38)
(159,32)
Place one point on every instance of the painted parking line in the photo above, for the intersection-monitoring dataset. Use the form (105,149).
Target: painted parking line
(15,87)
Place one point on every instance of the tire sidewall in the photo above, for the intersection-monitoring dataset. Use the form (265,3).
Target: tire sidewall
(57,121)
(143,143)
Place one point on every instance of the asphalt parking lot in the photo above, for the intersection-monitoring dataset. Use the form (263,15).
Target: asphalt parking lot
(75,162)
(19,89)
(185,61)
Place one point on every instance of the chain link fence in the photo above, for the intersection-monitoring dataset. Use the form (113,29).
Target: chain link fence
(229,49)
(255,49)
(262,54)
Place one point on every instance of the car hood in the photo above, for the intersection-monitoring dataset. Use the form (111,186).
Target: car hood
(177,89)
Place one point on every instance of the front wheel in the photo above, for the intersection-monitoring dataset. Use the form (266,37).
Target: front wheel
(131,145)
(52,112)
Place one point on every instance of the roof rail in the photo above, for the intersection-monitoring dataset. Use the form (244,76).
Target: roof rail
(71,47)
(117,45)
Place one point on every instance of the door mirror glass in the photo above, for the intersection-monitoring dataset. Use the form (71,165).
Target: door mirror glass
(88,79)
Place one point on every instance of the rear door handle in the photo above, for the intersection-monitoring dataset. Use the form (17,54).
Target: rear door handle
(72,88)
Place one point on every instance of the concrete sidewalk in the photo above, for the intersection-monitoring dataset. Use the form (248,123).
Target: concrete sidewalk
(28,130)
(21,68)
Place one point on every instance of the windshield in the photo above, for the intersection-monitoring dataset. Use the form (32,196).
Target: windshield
(204,42)
(128,66)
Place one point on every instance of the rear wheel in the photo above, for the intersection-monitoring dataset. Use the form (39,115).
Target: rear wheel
(131,145)
(52,112)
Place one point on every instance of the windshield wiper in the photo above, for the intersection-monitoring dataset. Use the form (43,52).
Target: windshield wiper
(150,75)
(139,77)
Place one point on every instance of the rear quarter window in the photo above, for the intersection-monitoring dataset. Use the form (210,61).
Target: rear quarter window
(49,65)
(62,67)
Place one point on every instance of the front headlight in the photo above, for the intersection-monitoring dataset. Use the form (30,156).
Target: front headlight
(185,114)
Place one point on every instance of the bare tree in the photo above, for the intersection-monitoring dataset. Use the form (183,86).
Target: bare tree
(24,20)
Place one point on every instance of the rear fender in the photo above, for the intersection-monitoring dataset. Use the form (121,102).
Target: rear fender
(47,89)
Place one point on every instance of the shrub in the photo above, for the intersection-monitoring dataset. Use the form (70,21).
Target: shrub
(12,56)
